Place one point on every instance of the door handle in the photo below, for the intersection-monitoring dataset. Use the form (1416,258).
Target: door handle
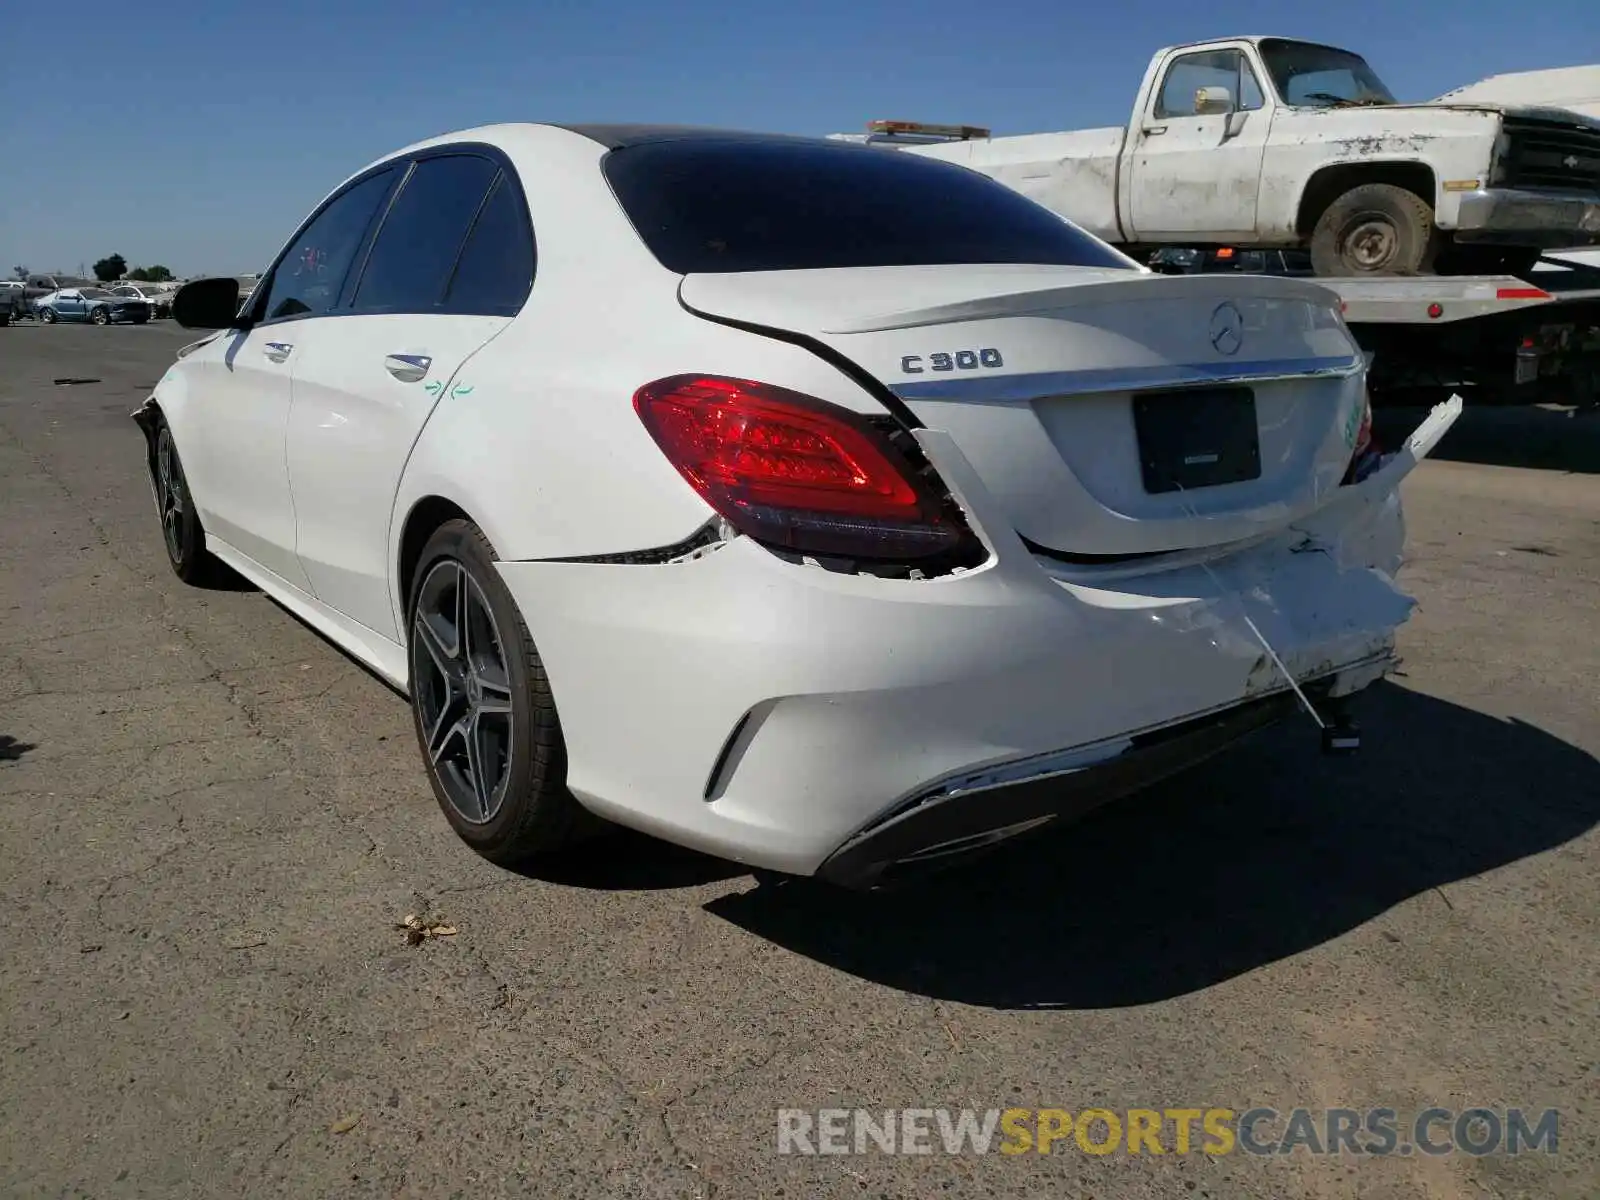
(277,351)
(1153,130)
(407,368)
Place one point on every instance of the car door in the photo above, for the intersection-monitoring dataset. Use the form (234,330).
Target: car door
(69,305)
(240,480)
(1194,169)
(450,265)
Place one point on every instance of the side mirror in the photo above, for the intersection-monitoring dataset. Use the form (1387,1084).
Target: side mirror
(209,304)
(1212,100)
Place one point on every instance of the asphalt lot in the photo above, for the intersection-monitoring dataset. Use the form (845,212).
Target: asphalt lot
(212,821)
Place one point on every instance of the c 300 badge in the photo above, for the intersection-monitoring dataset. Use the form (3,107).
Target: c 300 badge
(960,360)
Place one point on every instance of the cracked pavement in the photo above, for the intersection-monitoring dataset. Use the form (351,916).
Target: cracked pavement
(212,820)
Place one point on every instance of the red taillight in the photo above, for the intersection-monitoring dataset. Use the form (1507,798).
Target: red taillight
(1364,455)
(792,470)
(1364,430)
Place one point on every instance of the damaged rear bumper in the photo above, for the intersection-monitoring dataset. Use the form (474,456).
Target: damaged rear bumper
(806,721)
(966,816)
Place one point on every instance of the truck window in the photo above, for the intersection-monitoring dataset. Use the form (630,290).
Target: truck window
(1321,76)
(1207,68)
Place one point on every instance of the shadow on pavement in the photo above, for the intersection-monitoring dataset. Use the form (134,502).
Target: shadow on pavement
(1250,858)
(225,579)
(11,749)
(620,860)
(1544,438)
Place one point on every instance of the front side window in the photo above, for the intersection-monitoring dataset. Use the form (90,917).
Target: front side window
(307,279)
(417,246)
(710,204)
(1227,69)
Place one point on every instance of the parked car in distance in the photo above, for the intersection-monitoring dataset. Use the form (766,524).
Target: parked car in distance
(14,302)
(835,511)
(153,295)
(93,304)
(37,287)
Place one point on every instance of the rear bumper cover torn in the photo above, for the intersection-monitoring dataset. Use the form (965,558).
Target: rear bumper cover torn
(806,721)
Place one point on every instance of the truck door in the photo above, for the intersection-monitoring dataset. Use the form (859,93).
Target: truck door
(1196,148)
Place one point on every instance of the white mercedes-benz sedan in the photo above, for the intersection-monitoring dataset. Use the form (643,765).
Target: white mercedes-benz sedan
(829,510)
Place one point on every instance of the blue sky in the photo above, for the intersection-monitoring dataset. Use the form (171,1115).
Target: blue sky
(197,135)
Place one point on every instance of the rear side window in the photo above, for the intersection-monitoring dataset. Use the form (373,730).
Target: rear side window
(497,264)
(422,235)
(309,277)
(710,205)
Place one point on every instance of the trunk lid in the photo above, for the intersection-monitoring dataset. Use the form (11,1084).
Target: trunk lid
(1109,413)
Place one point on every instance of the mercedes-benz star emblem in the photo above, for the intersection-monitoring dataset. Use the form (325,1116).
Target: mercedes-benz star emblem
(1570,162)
(1227,328)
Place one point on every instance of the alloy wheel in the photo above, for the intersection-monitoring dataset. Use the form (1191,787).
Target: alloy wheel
(462,690)
(171,496)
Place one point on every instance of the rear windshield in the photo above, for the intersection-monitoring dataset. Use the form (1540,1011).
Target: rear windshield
(704,205)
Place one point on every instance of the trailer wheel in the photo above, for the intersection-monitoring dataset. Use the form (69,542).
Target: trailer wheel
(1374,229)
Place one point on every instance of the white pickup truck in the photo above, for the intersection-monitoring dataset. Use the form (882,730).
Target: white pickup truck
(1273,142)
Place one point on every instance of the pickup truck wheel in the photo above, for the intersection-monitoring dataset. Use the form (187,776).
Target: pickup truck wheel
(1374,229)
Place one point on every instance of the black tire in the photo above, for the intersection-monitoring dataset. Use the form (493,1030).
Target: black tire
(181,531)
(1374,229)
(508,797)
(101,316)
(47,315)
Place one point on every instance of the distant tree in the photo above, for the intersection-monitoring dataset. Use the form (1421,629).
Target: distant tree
(21,271)
(110,268)
(158,274)
(139,274)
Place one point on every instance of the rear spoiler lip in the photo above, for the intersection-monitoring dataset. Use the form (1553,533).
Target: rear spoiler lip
(1136,285)
(831,301)
(1010,389)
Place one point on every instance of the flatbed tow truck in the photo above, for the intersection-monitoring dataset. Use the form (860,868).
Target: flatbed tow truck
(1497,339)
(1526,338)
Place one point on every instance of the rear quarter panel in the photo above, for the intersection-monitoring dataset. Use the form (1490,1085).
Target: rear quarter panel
(537,440)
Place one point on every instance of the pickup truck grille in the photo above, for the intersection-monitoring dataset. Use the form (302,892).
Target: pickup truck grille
(1549,155)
